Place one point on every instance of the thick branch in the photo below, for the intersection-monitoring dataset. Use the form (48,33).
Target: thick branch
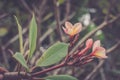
(49,69)
(14,76)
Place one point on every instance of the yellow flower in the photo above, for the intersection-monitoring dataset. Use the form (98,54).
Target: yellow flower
(98,51)
(72,30)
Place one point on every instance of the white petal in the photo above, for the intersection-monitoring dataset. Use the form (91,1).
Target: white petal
(77,27)
(68,25)
(96,44)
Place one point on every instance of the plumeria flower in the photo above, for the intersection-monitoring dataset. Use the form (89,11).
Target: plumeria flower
(89,43)
(98,51)
(72,30)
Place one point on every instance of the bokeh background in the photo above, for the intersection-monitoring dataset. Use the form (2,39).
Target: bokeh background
(100,19)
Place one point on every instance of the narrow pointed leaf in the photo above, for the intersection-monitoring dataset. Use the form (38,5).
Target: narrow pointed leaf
(61,77)
(32,36)
(20,36)
(19,57)
(53,54)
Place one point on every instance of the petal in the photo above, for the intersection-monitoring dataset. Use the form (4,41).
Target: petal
(65,30)
(68,31)
(96,44)
(99,52)
(89,43)
(68,25)
(77,28)
(77,24)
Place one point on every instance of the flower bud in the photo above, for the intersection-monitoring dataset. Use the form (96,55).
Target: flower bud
(89,43)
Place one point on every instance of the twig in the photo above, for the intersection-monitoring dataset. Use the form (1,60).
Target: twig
(57,17)
(3,15)
(14,76)
(67,9)
(26,6)
(102,25)
(39,11)
(101,62)
(42,6)
(5,57)
(38,79)
(102,74)
(50,30)
(14,38)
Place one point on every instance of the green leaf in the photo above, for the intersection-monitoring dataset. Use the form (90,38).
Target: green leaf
(20,36)
(100,35)
(53,54)
(19,57)
(32,36)
(61,77)
(91,27)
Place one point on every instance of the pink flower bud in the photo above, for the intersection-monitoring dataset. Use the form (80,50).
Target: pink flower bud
(89,43)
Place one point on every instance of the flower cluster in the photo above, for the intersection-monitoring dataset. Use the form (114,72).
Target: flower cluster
(97,50)
(81,57)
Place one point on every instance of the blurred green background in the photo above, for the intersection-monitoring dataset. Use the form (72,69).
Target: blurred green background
(53,13)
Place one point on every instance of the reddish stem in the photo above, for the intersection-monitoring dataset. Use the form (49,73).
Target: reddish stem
(83,51)
(49,69)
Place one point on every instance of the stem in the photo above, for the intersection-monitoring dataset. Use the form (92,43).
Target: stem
(102,25)
(83,51)
(49,69)
(57,17)
(15,76)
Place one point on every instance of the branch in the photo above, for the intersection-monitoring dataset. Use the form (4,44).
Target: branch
(101,62)
(15,76)
(67,9)
(49,69)
(14,38)
(50,30)
(24,75)
(57,17)
(26,6)
(5,59)
(102,25)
